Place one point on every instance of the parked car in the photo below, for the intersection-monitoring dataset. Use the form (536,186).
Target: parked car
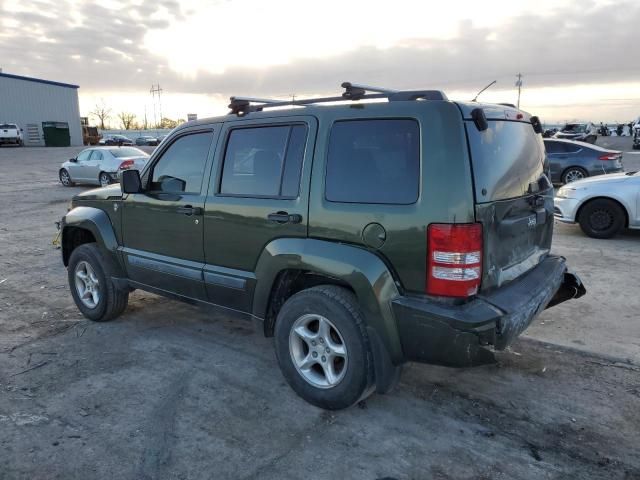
(636,136)
(116,140)
(549,132)
(583,132)
(147,140)
(570,161)
(101,165)
(10,134)
(361,238)
(603,206)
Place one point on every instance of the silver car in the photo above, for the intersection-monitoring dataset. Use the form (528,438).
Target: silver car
(101,165)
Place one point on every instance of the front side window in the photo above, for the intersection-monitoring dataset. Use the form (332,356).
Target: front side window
(181,167)
(84,155)
(374,161)
(96,155)
(264,161)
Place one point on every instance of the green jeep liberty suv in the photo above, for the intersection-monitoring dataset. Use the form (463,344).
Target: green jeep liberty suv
(360,235)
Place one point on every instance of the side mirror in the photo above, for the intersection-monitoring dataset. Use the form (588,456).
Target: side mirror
(74,160)
(131,182)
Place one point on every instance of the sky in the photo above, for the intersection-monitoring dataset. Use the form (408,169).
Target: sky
(578,58)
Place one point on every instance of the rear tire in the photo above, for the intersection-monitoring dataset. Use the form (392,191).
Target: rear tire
(323,349)
(104,179)
(601,218)
(89,275)
(572,174)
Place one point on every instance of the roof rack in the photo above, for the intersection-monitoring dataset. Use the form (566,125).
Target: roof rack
(352,91)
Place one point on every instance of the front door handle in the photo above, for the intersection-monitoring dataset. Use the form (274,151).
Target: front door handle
(189,210)
(284,217)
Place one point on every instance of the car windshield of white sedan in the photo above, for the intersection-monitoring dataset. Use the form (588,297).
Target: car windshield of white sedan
(127,152)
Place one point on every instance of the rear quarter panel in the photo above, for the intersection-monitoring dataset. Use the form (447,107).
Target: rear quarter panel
(445,189)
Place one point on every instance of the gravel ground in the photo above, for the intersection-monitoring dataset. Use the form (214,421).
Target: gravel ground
(171,391)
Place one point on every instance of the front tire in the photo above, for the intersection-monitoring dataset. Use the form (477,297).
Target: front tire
(65,178)
(572,174)
(89,275)
(323,349)
(601,218)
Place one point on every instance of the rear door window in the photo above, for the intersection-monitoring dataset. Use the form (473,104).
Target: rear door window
(553,147)
(264,161)
(374,161)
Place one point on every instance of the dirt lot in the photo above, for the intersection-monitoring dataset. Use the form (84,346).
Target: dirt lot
(170,391)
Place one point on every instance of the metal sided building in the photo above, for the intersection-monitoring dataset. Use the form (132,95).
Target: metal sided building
(47,112)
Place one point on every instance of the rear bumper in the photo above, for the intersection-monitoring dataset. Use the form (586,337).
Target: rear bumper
(11,141)
(464,335)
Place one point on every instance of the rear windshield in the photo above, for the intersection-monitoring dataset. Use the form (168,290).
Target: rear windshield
(506,158)
(127,152)
(575,128)
(7,125)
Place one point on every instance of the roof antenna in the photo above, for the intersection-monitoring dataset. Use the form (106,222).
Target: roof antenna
(475,99)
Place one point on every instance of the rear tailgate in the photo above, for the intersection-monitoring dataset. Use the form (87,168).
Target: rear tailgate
(8,130)
(514,199)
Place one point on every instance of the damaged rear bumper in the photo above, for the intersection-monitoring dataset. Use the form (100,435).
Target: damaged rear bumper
(465,335)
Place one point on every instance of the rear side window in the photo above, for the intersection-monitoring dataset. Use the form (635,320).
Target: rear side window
(264,161)
(553,147)
(507,158)
(374,161)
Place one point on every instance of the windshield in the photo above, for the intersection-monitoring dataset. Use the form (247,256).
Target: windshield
(575,128)
(127,152)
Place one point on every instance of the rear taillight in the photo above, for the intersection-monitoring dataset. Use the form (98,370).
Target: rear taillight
(126,165)
(610,156)
(454,263)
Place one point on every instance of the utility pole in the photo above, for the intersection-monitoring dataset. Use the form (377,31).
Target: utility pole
(155,89)
(519,85)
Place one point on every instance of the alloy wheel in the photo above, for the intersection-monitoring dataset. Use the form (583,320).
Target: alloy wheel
(104,180)
(573,175)
(318,351)
(65,179)
(87,284)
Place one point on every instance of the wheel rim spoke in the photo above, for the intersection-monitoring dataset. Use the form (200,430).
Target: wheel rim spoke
(318,351)
(87,285)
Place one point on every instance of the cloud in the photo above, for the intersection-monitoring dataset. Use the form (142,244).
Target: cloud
(103,49)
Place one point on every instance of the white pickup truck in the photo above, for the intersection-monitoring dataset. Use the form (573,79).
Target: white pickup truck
(11,134)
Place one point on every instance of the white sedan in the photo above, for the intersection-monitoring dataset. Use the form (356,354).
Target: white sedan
(101,165)
(602,205)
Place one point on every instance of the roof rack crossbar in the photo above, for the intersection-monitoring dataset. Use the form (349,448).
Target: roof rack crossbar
(353,91)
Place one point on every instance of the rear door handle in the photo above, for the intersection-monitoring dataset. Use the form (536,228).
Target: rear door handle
(189,210)
(284,217)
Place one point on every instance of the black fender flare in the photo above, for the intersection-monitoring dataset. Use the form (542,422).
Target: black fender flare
(368,276)
(97,222)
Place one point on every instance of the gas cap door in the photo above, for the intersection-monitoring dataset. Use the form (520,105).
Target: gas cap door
(374,235)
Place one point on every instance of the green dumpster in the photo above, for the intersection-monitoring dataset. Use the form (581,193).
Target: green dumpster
(56,134)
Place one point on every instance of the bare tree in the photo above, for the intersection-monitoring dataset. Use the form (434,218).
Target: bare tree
(102,113)
(127,119)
